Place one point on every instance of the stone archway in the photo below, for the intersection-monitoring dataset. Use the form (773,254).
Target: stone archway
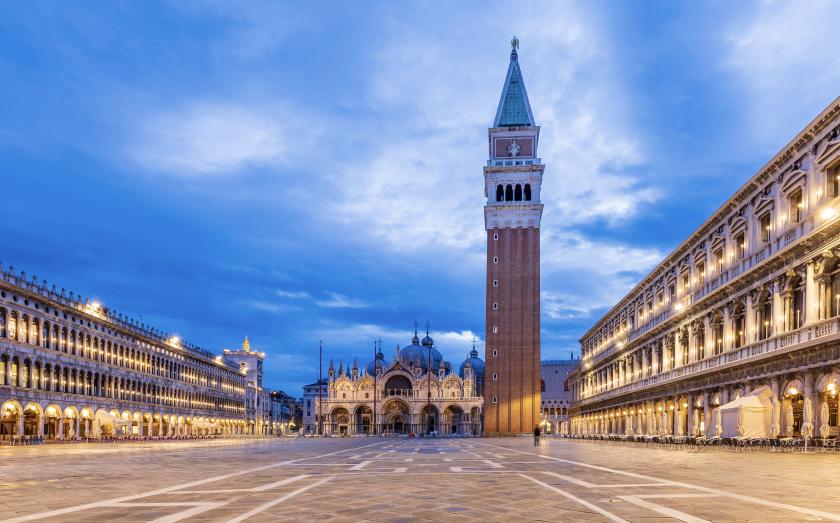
(11,417)
(396,417)
(32,420)
(454,420)
(363,420)
(430,420)
(340,421)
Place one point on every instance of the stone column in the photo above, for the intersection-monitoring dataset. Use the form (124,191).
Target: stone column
(811,303)
(811,400)
(692,430)
(707,415)
(728,340)
(777,321)
(678,349)
(621,372)
(749,321)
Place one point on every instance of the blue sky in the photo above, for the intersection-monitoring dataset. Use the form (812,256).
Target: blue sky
(297,171)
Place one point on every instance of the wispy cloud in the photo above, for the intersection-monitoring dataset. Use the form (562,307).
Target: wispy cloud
(215,138)
(294,295)
(335,300)
(454,345)
(426,178)
(783,55)
(272,307)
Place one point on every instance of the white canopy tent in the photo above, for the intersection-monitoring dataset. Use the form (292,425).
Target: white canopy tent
(106,420)
(201,424)
(749,416)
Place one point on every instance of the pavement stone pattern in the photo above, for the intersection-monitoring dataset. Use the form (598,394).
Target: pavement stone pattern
(411,480)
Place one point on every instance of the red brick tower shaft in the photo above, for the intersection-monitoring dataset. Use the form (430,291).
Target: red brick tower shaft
(512,214)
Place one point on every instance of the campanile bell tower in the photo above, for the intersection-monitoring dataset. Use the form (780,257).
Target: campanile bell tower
(512,181)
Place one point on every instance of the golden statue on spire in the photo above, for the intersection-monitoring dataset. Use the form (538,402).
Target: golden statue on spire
(246,345)
(514,43)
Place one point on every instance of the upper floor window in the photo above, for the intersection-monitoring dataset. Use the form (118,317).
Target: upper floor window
(686,284)
(834,181)
(719,260)
(795,201)
(764,224)
(765,326)
(740,245)
(701,273)
(672,292)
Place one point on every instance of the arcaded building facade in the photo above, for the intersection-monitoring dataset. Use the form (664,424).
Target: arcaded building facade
(556,394)
(70,368)
(750,301)
(415,393)
(512,215)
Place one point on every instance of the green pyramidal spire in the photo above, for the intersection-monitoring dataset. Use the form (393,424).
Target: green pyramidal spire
(514,108)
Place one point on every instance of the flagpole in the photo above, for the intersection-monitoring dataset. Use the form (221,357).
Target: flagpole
(375,389)
(320,386)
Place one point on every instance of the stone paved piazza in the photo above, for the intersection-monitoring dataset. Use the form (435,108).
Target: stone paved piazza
(402,480)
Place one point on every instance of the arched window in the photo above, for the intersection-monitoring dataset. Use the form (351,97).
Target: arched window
(509,193)
(542,386)
(500,193)
(717,333)
(739,325)
(45,336)
(527,192)
(2,323)
(517,195)
(13,325)
(765,324)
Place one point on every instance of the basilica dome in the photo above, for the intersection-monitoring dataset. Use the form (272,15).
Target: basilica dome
(414,354)
(476,363)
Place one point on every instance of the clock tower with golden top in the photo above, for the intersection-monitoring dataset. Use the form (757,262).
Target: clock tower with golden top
(512,214)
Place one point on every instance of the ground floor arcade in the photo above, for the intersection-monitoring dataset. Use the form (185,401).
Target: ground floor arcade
(22,418)
(801,404)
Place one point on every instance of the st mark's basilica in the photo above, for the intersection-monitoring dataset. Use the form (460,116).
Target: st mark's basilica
(417,392)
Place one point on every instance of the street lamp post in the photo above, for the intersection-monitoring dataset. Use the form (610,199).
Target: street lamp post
(320,389)
(429,393)
(375,388)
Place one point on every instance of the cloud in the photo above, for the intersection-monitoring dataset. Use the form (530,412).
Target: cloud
(783,55)
(214,138)
(274,308)
(291,294)
(580,304)
(335,300)
(572,251)
(421,189)
(248,31)
(454,345)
